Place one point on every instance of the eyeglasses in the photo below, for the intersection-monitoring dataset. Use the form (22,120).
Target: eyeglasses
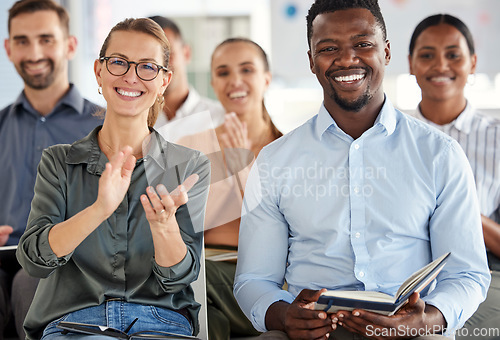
(144,70)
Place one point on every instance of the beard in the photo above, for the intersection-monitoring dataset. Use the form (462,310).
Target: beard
(353,106)
(39,81)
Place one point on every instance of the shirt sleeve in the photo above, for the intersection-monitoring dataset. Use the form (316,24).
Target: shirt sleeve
(47,209)
(262,248)
(190,218)
(455,226)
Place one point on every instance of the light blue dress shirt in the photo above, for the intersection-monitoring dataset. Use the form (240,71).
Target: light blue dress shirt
(325,211)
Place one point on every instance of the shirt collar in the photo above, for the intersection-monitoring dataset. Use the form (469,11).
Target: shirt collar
(72,99)
(462,123)
(386,118)
(189,104)
(87,151)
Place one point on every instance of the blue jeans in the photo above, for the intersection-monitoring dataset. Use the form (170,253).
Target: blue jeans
(120,314)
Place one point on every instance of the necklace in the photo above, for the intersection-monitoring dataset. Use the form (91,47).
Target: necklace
(100,139)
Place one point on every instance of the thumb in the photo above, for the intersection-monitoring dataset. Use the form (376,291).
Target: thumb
(413,298)
(307,296)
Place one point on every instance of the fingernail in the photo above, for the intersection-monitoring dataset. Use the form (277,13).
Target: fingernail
(322,315)
(182,188)
(150,190)
(355,313)
(340,323)
(161,189)
(335,320)
(341,315)
(334,326)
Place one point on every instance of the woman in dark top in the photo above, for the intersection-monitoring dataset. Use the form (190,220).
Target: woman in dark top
(104,234)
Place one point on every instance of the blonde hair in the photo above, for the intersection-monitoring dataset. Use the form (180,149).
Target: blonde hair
(148,26)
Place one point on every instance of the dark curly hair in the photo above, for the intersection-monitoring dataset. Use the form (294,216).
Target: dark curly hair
(329,6)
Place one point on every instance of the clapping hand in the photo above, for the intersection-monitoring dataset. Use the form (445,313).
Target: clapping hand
(115,181)
(160,205)
(236,144)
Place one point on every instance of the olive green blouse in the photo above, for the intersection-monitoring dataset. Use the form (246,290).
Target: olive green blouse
(117,259)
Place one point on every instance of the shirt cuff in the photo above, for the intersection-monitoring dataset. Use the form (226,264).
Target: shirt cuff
(260,308)
(47,255)
(176,271)
(451,313)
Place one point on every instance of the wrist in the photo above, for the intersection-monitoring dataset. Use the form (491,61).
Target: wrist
(99,211)
(276,315)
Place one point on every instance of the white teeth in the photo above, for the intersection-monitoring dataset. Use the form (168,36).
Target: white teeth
(352,77)
(36,67)
(440,79)
(128,94)
(238,94)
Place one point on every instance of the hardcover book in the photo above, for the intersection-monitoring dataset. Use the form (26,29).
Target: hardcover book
(334,300)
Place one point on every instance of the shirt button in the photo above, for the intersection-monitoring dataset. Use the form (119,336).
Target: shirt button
(356,190)
(357,235)
(356,146)
(43,119)
(361,274)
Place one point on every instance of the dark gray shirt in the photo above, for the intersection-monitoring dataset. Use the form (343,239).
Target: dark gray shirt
(24,133)
(117,259)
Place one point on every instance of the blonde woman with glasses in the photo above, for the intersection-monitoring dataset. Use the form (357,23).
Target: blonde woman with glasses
(116,223)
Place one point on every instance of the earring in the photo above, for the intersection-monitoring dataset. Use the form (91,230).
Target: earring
(99,89)
(471,79)
(160,99)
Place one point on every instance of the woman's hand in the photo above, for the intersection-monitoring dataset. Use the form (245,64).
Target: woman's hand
(236,144)
(160,208)
(115,181)
(235,133)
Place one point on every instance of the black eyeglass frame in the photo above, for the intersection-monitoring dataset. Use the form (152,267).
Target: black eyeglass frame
(160,67)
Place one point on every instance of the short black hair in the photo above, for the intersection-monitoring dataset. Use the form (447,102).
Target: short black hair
(166,23)
(329,6)
(438,19)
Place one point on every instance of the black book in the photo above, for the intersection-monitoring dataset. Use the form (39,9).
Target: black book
(334,300)
(90,329)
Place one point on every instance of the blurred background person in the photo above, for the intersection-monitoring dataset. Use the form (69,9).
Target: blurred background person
(49,111)
(442,58)
(240,76)
(181,99)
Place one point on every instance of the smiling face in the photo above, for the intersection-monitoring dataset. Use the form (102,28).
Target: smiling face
(441,63)
(128,94)
(39,48)
(239,77)
(348,55)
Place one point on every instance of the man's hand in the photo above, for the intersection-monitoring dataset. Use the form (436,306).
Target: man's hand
(299,320)
(5,231)
(414,319)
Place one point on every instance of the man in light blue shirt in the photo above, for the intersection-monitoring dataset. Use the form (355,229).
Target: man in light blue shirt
(358,198)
